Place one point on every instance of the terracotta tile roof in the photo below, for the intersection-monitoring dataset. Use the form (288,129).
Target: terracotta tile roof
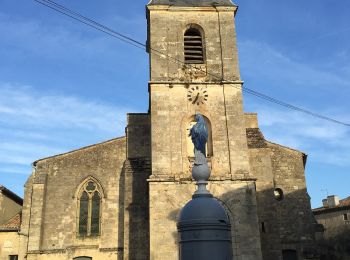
(13,224)
(344,204)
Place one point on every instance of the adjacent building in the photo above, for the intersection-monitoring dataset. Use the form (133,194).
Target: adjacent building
(334,216)
(120,199)
(10,222)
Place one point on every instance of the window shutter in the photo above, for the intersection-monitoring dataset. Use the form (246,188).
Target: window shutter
(193,47)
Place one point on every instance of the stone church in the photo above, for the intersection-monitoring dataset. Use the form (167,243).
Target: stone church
(120,199)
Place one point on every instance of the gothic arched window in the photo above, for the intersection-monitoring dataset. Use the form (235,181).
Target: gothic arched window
(89,209)
(193,43)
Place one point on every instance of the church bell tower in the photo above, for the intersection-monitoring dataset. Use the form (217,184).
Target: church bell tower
(193,69)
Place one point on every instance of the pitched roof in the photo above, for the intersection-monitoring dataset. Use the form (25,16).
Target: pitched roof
(11,195)
(256,139)
(344,204)
(192,2)
(79,149)
(14,224)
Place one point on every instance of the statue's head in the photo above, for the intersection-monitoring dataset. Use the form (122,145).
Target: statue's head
(199,118)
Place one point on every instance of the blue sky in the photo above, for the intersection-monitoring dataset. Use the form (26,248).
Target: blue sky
(64,85)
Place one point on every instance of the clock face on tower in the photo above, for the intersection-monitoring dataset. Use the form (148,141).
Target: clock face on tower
(197,95)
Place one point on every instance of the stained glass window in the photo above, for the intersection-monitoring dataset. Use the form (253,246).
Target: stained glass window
(91,186)
(89,210)
(83,216)
(95,214)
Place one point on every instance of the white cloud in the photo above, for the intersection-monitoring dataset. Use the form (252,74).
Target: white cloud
(319,90)
(51,40)
(22,106)
(262,61)
(35,125)
(15,169)
(323,141)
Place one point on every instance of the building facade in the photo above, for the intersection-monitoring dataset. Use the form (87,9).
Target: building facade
(10,221)
(121,199)
(334,216)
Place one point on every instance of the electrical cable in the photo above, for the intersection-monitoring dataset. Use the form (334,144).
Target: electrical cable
(124,39)
(89,22)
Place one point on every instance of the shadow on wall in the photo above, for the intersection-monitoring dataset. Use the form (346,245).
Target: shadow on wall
(337,248)
(121,214)
(283,224)
(136,200)
(286,223)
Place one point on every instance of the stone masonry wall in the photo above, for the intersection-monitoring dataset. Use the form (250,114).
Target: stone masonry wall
(170,109)
(285,224)
(8,208)
(166,36)
(167,199)
(136,204)
(51,208)
(9,244)
(26,211)
(138,133)
(136,195)
(170,114)
(295,213)
(335,243)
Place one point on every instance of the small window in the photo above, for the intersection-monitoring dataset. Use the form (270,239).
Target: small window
(193,44)
(13,257)
(263,227)
(345,217)
(89,210)
(82,258)
(278,194)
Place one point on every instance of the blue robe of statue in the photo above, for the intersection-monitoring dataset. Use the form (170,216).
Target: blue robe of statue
(199,136)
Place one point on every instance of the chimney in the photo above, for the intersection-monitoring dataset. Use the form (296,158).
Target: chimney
(325,203)
(333,201)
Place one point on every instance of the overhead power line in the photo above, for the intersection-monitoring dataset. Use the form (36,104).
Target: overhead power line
(122,37)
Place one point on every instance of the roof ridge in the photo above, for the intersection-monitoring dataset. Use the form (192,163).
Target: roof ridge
(192,3)
(78,149)
(10,194)
(286,147)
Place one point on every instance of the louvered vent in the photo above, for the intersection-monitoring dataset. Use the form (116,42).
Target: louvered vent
(193,47)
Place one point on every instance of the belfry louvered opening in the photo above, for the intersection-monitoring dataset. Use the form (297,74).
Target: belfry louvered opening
(193,47)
